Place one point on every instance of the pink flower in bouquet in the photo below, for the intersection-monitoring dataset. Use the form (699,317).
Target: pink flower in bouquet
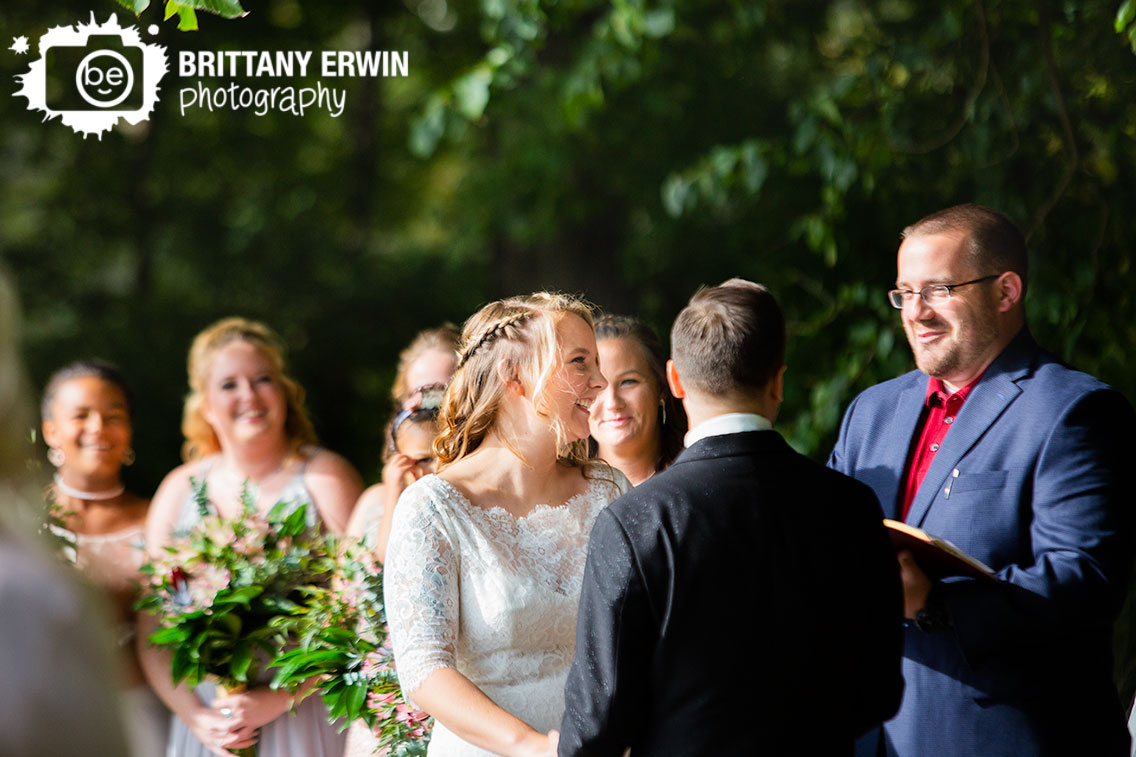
(206,583)
(382,701)
(375,663)
(251,547)
(367,562)
(413,719)
(217,530)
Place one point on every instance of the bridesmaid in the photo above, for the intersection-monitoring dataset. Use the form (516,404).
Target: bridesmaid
(637,426)
(87,412)
(424,369)
(244,420)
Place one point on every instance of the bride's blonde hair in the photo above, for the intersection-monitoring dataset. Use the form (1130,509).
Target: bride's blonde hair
(519,333)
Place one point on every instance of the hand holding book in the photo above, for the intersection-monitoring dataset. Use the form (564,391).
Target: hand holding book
(937,557)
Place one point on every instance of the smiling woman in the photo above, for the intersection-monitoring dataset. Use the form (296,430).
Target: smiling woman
(636,423)
(87,411)
(486,557)
(245,426)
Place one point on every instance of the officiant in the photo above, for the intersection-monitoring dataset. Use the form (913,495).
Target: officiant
(1018,460)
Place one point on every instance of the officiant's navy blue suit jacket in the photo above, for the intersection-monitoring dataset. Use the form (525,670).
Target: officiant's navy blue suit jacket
(1030,480)
(744,601)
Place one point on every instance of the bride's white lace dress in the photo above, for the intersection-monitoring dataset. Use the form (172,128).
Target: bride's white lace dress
(490,595)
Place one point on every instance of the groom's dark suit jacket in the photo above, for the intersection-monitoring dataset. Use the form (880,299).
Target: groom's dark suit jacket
(745,601)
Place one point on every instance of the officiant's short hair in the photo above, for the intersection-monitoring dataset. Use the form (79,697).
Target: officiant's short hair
(729,339)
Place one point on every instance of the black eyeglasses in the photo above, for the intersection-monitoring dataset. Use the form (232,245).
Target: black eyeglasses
(427,403)
(933,294)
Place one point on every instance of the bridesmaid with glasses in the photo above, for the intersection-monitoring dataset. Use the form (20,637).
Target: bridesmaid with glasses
(424,369)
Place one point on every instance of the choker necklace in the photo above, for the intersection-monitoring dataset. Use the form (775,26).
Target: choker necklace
(74,493)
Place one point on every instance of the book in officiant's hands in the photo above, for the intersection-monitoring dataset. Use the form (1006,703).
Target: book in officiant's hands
(937,557)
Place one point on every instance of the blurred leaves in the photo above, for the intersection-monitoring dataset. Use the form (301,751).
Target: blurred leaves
(1124,18)
(626,149)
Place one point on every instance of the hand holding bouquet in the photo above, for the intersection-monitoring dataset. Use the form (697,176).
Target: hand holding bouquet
(343,641)
(225,593)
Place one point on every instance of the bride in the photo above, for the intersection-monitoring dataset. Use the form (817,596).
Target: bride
(485,559)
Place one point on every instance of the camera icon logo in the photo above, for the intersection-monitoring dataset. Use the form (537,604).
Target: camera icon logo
(99,75)
(91,75)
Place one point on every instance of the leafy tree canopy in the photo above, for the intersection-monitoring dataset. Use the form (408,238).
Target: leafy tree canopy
(626,149)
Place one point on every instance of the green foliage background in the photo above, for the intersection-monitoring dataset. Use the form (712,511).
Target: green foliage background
(625,149)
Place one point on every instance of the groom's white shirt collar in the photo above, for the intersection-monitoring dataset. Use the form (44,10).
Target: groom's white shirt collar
(729,423)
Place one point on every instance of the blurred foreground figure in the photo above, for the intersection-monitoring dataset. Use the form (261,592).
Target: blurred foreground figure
(58,689)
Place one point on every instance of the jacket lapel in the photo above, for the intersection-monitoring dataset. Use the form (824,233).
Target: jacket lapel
(987,401)
(900,431)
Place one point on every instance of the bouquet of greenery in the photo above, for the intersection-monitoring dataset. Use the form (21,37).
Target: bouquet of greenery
(228,590)
(343,633)
(61,540)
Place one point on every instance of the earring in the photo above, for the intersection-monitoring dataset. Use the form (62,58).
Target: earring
(663,405)
(55,457)
(128,458)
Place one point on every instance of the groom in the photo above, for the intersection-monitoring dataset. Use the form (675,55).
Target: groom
(746,600)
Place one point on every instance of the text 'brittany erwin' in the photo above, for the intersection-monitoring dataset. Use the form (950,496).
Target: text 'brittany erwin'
(289,63)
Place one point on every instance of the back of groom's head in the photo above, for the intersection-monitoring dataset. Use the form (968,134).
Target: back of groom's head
(729,339)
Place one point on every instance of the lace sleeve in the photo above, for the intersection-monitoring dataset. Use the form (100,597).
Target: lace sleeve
(612,479)
(420,587)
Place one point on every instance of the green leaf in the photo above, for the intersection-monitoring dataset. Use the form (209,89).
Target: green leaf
(164,637)
(242,595)
(278,512)
(296,522)
(200,491)
(134,6)
(675,194)
(281,604)
(242,659)
(659,23)
(427,129)
(471,92)
(248,500)
(828,109)
(222,8)
(1124,15)
(187,20)
(181,665)
(756,169)
(356,697)
(287,673)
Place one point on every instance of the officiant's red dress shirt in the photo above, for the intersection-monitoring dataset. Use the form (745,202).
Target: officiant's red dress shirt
(939,413)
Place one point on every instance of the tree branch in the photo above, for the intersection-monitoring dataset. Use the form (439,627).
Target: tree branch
(953,130)
(1044,35)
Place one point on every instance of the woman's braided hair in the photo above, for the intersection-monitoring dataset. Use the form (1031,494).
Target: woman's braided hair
(520,333)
